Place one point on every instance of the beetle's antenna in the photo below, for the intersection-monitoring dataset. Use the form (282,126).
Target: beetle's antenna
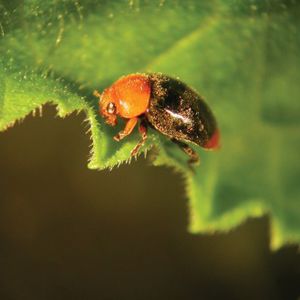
(96,94)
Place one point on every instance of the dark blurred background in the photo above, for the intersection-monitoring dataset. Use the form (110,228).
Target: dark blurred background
(67,232)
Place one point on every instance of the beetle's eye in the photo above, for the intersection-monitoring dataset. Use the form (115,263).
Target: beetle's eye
(111,108)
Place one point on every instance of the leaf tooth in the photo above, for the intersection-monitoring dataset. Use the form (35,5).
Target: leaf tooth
(128,161)
(38,111)
(33,112)
(88,130)
(86,120)
(145,153)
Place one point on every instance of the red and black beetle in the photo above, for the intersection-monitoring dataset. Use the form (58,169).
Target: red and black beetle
(164,103)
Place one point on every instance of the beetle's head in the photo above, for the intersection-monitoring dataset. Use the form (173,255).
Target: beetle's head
(108,106)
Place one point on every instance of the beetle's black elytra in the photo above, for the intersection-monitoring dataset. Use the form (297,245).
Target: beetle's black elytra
(179,112)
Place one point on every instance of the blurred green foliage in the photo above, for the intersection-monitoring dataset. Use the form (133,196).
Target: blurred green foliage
(243,56)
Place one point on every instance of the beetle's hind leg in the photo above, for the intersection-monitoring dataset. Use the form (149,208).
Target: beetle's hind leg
(143,132)
(193,155)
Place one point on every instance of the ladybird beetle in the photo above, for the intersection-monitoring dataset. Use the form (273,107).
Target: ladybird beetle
(163,103)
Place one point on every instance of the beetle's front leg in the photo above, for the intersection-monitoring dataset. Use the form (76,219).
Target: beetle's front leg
(143,132)
(127,130)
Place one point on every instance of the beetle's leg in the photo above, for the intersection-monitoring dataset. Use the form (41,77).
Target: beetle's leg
(143,132)
(194,157)
(127,130)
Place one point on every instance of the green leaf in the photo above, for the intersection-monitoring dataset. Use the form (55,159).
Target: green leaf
(243,56)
